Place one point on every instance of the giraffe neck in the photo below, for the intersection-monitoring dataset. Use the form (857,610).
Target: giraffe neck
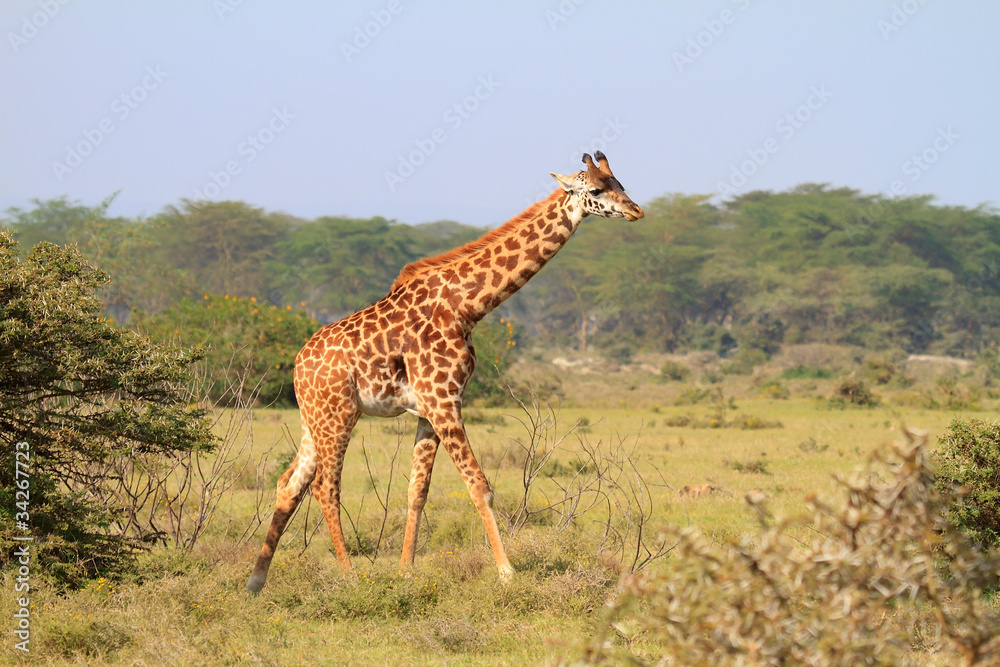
(491,274)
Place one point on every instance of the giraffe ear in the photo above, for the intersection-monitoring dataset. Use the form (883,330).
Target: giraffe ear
(567,183)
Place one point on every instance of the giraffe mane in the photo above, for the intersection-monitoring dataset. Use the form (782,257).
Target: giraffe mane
(414,268)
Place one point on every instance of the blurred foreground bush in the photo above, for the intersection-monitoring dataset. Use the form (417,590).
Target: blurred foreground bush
(867,588)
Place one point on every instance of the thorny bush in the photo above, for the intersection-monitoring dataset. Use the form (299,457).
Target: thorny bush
(883,580)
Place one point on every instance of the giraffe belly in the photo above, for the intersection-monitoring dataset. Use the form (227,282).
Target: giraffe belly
(389,404)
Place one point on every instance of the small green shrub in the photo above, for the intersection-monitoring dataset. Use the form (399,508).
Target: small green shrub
(692,396)
(474,416)
(953,396)
(744,361)
(775,389)
(879,371)
(620,354)
(711,377)
(851,391)
(672,370)
(753,422)
(495,342)
(280,466)
(968,458)
(810,445)
(989,360)
(557,468)
(757,466)
(801,372)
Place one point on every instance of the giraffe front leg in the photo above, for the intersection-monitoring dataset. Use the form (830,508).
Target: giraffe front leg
(451,430)
(326,489)
(424,451)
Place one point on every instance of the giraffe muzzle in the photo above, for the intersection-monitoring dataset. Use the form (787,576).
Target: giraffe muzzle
(634,214)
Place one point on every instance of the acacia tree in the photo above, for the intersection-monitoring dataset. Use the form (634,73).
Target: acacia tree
(78,390)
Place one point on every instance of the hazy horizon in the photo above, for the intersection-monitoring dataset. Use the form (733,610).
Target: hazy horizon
(459,112)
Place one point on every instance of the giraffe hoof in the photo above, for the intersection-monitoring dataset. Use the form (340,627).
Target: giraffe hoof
(506,573)
(256,583)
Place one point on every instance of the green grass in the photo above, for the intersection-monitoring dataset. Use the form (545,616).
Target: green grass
(191,608)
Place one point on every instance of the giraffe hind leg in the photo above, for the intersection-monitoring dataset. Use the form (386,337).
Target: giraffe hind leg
(420,480)
(291,489)
(332,446)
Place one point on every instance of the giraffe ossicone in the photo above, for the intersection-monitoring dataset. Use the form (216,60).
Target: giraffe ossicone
(411,352)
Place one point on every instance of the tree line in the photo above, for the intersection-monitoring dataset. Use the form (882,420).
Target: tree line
(812,264)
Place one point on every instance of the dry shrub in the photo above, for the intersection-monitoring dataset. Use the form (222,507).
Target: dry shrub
(495,457)
(609,484)
(866,589)
(757,466)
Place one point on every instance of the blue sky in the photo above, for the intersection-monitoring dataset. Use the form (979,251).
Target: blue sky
(423,111)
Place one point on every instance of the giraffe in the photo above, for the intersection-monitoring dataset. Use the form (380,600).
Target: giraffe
(411,352)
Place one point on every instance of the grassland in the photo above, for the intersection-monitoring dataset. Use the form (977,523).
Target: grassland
(190,607)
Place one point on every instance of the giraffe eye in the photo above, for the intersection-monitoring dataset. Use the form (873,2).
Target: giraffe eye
(595,191)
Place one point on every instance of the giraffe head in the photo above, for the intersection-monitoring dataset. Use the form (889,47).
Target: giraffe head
(598,192)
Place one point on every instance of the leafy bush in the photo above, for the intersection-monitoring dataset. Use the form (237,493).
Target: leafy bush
(809,445)
(495,342)
(744,361)
(853,593)
(711,377)
(672,370)
(774,389)
(968,459)
(238,336)
(989,359)
(880,371)
(807,373)
(753,422)
(77,393)
(757,466)
(620,354)
(954,396)
(692,395)
(851,391)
